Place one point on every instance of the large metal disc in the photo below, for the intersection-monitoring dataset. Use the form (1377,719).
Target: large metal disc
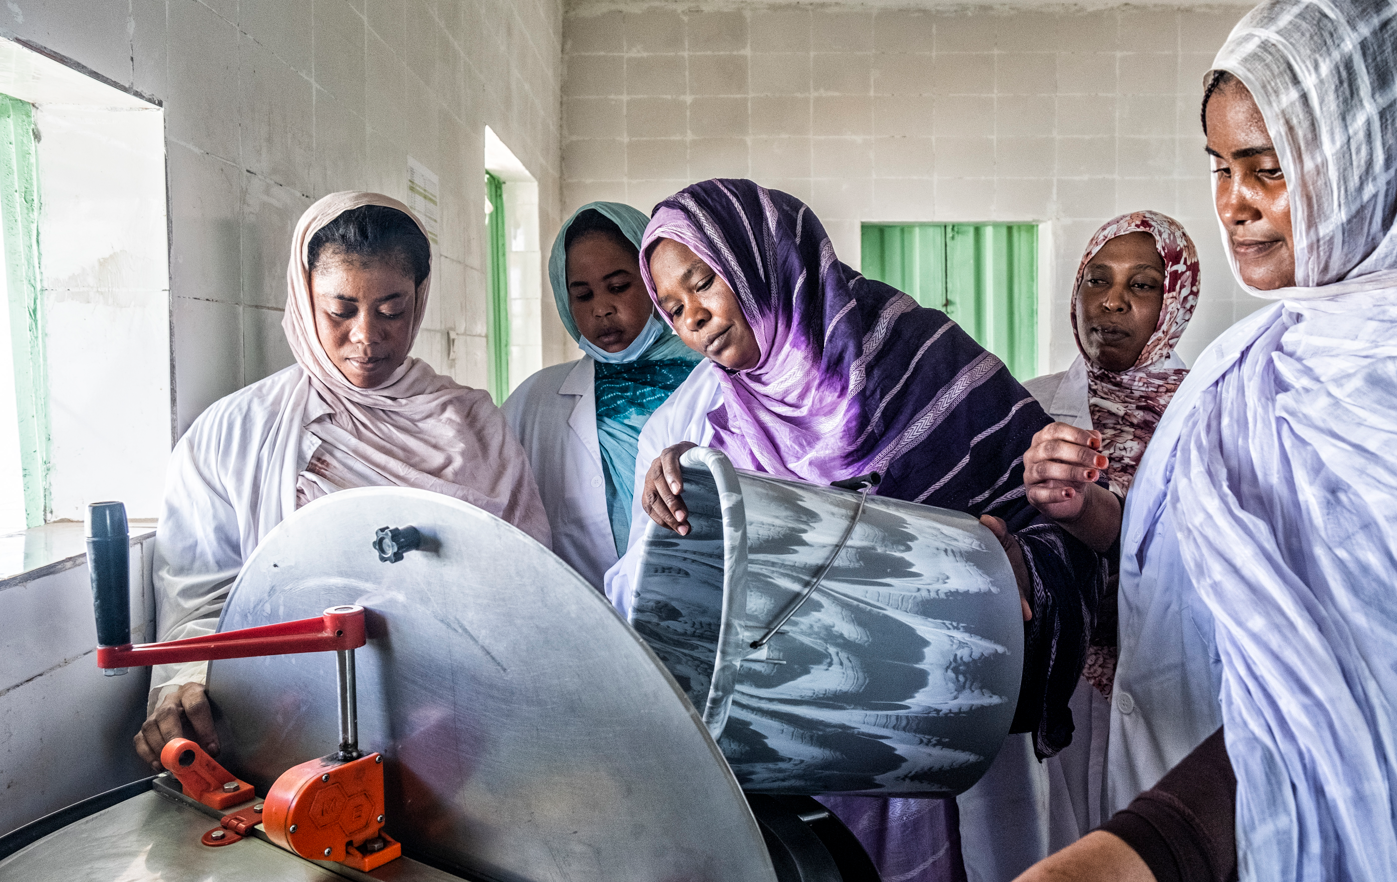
(529,734)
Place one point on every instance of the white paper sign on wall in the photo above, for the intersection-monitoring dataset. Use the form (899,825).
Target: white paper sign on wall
(423,191)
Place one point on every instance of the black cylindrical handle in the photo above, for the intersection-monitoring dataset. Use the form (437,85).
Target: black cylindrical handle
(109,562)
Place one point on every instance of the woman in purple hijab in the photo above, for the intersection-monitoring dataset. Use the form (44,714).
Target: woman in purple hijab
(826,375)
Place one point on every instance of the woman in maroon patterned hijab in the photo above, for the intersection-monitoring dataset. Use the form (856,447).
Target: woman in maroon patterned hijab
(1126,405)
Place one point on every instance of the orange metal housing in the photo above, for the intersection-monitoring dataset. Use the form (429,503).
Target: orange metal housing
(329,810)
(202,777)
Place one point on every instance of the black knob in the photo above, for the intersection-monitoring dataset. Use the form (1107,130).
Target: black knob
(392,543)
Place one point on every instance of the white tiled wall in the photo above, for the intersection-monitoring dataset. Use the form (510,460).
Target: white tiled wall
(1062,118)
(273,103)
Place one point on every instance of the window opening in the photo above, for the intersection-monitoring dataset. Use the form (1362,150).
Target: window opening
(984,276)
(24,436)
(86,383)
(497,330)
(521,300)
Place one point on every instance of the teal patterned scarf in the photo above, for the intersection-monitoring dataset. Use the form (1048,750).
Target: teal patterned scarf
(626,396)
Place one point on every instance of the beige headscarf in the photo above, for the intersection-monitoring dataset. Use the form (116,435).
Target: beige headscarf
(419,429)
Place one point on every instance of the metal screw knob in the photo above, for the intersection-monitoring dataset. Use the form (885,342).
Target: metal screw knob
(230,787)
(218,834)
(392,543)
(327,852)
(291,829)
(325,777)
(257,808)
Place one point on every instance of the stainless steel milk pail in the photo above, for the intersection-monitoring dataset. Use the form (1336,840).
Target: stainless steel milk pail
(832,640)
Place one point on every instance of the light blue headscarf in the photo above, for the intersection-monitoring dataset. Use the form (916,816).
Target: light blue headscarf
(629,384)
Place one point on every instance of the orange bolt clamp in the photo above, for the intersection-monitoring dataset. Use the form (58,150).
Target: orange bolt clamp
(201,776)
(330,810)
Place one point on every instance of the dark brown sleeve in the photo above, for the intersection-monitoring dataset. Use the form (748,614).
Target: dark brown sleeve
(1184,829)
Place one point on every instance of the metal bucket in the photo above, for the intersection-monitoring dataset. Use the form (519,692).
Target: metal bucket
(834,641)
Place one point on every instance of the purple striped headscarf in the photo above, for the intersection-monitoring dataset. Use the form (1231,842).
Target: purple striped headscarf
(854,376)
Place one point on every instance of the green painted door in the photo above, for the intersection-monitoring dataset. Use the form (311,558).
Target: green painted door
(497,329)
(984,276)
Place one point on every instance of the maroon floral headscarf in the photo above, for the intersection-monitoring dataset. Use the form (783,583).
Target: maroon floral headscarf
(1126,405)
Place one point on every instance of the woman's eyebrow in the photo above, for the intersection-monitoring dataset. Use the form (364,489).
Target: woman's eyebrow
(1138,266)
(697,266)
(583,284)
(1244,153)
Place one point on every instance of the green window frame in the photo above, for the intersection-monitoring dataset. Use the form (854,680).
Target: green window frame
(19,227)
(497,333)
(984,276)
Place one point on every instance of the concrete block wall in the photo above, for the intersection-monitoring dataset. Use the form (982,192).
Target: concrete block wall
(270,104)
(1061,117)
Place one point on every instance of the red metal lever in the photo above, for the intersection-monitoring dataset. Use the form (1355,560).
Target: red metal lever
(338,628)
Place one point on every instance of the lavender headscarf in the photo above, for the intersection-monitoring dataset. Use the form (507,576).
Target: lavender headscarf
(855,377)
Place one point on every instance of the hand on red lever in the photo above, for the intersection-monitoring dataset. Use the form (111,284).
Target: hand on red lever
(184,713)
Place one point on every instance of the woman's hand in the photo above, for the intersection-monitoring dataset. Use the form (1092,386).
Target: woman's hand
(184,713)
(1059,466)
(1059,474)
(663,484)
(1015,554)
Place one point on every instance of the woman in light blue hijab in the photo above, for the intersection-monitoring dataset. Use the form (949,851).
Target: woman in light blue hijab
(580,423)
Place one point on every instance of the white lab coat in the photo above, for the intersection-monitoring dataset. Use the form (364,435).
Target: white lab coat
(1076,776)
(1165,699)
(226,487)
(1079,788)
(554,415)
(233,477)
(1022,810)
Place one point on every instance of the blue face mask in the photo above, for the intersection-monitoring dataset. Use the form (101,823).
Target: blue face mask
(654,329)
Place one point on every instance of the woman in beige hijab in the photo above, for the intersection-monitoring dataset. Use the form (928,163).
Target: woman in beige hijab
(354,411)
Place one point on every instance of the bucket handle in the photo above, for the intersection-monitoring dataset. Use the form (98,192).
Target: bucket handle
(732,629)
(861,485)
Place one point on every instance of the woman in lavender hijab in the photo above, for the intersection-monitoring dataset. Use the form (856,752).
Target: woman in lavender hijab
(825,375)
(1252,732)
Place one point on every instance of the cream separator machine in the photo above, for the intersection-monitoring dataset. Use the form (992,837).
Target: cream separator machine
(516,729)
